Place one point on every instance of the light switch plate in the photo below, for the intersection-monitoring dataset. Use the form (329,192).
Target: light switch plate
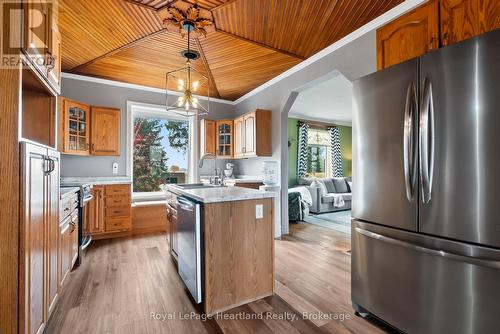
(115,167)
(259,211)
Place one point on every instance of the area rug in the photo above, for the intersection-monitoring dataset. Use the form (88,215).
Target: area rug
(339,221)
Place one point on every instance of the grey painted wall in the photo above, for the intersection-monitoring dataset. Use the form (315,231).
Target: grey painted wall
(115,97)
(354,60)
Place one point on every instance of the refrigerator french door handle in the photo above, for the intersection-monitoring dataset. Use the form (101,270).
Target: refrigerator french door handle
(426,141)
(409,142)
(436,252)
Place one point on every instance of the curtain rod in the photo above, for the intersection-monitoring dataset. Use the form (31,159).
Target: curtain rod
(316,124)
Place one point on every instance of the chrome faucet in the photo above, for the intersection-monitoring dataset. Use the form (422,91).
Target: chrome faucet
(217,178)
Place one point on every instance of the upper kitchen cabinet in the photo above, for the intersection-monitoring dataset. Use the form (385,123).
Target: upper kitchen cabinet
(434,24)
(105,132)
(75,131)
(87,130)
(253,134)
(207,136)
(409,36)
(463,19)
(224,138)
(42,40)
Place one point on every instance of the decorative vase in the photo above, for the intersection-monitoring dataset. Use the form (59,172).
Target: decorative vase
(270,169)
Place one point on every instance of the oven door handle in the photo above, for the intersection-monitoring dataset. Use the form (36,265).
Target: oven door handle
(86,242)
(87,199)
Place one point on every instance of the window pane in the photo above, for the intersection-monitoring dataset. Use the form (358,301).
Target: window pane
(160,153)
(317,160)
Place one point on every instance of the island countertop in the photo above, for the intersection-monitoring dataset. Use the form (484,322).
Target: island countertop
(221,194)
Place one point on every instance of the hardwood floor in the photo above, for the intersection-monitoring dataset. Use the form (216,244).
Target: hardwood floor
(124,281)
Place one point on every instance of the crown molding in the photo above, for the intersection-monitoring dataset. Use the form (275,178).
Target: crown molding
(135,86)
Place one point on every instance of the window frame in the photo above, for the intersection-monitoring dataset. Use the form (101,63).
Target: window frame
(151,110)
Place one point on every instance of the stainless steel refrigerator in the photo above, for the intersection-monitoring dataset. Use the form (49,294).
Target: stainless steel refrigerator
(426,196)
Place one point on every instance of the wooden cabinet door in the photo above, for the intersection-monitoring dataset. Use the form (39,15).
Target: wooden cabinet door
(207,136)
(239,137)
(249,122)
(33,243)
(54,68)
(75,129)
(64,253)
(489,15)
(73,239)
(52,216)
(463,19)
(96,211)
(37,28)
(105,131)
(409,36)
(224,138)
(459,20)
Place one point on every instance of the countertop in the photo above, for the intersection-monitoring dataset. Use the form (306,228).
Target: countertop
(67,191)
(71,181)
(221,194)
(238,179)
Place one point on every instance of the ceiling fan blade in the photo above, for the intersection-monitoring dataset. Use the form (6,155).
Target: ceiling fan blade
(176,13)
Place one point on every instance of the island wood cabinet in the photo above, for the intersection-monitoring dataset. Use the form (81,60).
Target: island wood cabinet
(88,130)
(238,253)
(434,24)
(39,236)
(253,134)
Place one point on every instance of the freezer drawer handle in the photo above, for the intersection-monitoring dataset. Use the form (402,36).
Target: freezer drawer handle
(426,146)
(436,252)
(409,142)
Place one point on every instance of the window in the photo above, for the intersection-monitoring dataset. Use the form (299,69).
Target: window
(160,150)
(318,153)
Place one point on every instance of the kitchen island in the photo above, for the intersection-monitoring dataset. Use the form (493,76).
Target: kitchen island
(233,228)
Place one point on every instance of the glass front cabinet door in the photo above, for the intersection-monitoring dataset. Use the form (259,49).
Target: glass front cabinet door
(75,129)
(224,138)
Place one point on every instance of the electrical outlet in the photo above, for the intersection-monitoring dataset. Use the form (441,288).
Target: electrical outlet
(259,211)
(115,167)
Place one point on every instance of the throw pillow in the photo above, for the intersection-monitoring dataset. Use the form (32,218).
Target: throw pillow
(330,187)
(340,184)
(318,184)
(349,183)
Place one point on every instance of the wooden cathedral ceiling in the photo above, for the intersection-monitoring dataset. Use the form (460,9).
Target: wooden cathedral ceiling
(253,41)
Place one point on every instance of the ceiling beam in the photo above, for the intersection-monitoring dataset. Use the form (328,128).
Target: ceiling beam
(205,62)
(118,49)
(260,44)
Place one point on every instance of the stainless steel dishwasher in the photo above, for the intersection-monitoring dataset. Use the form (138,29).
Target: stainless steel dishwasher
(189,245)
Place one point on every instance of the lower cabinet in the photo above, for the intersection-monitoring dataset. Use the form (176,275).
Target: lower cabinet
(110,211)
(39,236)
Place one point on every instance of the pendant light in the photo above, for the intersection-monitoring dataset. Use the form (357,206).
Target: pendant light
(188,81)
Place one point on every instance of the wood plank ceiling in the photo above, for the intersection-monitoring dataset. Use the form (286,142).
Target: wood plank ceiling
(253,41)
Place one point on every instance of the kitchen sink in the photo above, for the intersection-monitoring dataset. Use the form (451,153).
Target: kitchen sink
(186,186)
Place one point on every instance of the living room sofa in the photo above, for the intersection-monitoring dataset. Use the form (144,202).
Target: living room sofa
(324,192)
